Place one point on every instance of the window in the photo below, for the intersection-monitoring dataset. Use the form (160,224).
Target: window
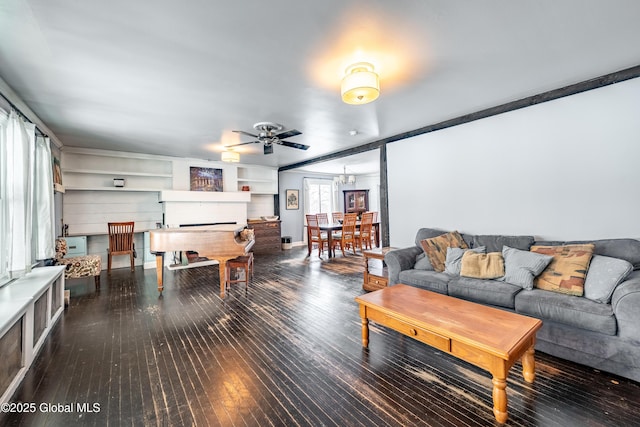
(318,196)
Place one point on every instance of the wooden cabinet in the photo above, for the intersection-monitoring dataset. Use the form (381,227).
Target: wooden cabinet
(375,271)
(267,235)
(356,201)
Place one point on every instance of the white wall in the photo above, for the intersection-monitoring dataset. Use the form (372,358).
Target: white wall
(565,169)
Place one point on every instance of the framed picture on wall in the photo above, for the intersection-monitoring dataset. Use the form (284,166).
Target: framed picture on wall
(205,179)
(293,199)
(57,175)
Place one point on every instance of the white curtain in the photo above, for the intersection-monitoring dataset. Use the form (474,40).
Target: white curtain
(18,163)
(43,224)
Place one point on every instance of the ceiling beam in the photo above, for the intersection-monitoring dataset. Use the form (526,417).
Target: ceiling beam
(595,83)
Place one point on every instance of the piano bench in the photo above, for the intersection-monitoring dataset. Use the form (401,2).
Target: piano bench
(244,262)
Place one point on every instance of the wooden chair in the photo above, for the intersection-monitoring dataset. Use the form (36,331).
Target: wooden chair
(347,237)
(323,218)
(120,242)
(337,216)
(364,235)
(244,262)
(315,235)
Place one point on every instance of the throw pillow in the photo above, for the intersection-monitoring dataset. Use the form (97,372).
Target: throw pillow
(567,270)
(521,267)
(422,262)
(436,248)
(482,266)
(454,259)
(605,273)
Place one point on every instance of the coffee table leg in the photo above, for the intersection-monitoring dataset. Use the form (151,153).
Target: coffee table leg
(529,365)
(365,326)
(500,399)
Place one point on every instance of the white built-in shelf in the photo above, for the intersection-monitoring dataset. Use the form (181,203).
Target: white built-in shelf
(94,170)
(254,180)
(112,189)
(117,173)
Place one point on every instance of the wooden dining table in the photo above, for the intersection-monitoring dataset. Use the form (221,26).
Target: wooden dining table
(336,226)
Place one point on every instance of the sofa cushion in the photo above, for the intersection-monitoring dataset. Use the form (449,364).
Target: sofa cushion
(436,248)
(422,262)
(567,309)
(605,273)
(626,249)
(482,266)
(521,267)
(567,270)
(491,292)
(495,242)
(429,280)
(453,261)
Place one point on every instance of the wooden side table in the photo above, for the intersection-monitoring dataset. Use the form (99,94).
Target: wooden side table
(375,271)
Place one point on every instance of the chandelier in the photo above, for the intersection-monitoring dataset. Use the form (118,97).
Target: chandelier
(344,179)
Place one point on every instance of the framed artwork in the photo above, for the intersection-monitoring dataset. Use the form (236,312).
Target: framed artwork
(57,176)
(205,179)
(293,199)
(57,173)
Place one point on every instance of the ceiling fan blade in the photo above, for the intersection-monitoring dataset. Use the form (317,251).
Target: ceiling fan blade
(242,143)
(293,145)
(289,134)
(245,133)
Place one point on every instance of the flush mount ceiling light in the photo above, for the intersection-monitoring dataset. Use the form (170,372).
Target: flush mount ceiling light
(230,156)
(360,84)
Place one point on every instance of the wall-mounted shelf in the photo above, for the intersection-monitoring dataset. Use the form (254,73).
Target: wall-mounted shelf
(117,173)
(88,169)
(122,189)
(261,180)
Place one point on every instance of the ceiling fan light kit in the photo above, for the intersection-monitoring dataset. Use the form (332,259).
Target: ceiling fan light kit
(360,84)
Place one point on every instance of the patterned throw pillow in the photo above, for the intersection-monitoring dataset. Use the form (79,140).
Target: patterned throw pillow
(436,248)
(482,266)
(567,270)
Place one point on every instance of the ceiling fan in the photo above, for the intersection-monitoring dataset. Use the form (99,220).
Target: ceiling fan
(268,135)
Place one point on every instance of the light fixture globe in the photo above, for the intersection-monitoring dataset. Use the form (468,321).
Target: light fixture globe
(360,84)
(230,156)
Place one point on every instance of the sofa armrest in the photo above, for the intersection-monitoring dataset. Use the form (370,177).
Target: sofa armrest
(626,306)
(399,260)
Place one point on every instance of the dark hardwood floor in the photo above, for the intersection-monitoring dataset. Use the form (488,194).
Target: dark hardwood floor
(286,353)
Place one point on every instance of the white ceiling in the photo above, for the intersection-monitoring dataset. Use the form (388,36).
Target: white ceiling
(175,77)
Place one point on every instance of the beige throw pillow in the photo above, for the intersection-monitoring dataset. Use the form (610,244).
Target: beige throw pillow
(482,266)
(436,248)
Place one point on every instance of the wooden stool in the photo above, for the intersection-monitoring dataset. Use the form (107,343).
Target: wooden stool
(245,262)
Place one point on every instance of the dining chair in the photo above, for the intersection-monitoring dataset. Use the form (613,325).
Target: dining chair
(120,242)
(347,237)
(364,235)
(323,218)
(315,235)
(337,216)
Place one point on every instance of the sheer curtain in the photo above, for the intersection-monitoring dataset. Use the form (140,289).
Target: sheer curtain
(26,203)
(43,224)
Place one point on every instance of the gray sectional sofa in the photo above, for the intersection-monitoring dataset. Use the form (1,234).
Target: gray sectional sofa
(605,336)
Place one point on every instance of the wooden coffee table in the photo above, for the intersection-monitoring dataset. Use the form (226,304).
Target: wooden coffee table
(489,338)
